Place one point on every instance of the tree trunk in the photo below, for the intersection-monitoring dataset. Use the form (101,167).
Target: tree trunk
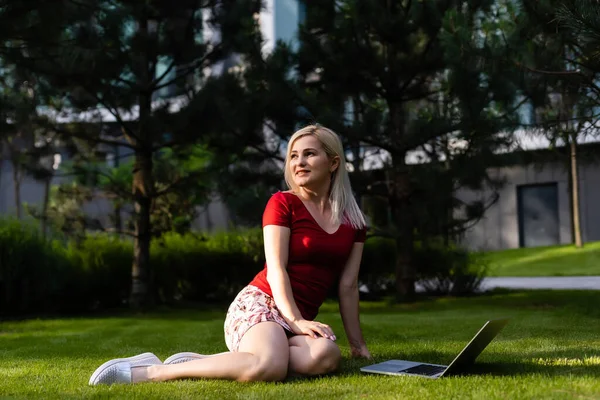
(448,210)
(143,184)
(401,192)
(575,193)
(1,169)
(117,208)
(570,133)
(403,218)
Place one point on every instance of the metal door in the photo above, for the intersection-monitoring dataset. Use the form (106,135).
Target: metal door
(538,215)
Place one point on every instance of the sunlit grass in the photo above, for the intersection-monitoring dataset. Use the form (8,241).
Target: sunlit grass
(550,349)
(546,261)
(569,362)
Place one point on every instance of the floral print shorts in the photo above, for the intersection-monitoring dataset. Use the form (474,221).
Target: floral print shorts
(250,307)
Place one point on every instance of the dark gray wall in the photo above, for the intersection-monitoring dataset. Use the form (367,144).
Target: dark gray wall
(499,229)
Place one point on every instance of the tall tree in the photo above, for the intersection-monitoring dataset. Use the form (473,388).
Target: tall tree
(582,19)
(142,66)
(557,89)
(397,76)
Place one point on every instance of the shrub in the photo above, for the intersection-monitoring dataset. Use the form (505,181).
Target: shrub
(377,269)
(449,270)
(103,271)
(440,270)
(199,268)
(33,271)
(38,275)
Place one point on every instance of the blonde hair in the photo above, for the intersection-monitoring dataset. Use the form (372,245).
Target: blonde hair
(344,208)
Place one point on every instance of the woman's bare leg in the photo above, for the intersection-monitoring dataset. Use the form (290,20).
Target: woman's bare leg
(263,356)
(310,356)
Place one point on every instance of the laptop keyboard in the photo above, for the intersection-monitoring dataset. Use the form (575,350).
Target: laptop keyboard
(424,369)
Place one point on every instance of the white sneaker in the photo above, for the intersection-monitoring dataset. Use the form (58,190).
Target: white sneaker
(119,369)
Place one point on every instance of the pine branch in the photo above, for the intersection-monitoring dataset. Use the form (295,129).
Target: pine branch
(115,113)
(430,43)
(184,73)
(581,16)
(95,95)
(175,184)
(95,140)
(163,75)
(115,188)
(265,152)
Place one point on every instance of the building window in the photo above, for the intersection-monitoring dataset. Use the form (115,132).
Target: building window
(538,215)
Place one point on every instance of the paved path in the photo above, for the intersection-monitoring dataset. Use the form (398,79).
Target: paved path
(548,282)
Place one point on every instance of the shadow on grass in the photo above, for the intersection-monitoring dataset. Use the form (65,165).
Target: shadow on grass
(578,368)
(543,363)
(203,312)
(582,302)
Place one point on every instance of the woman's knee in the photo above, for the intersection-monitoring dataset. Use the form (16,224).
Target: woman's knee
(269,345)
(323,356)
(327,356)
(267,370)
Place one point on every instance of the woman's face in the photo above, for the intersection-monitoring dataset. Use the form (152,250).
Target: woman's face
(309,164)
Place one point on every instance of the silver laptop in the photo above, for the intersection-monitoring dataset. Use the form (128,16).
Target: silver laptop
(466,357)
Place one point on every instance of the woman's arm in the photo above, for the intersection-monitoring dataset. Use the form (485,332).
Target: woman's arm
(277,240)
(349,300)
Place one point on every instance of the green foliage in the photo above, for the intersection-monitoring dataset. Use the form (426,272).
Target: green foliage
(144,64)
(449,269)
(183,181)
(186,179)
(410,78)
(33,271)
(64,212)
(192,268)
(378,210)
(246,202)
(38,275)
(581,17)
(103,264)
(183,267)
(378,265)
(441,270)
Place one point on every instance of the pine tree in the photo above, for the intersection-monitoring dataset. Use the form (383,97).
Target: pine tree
(138,70)
(559,82)
(405,77)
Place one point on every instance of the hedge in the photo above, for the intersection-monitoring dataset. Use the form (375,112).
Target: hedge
(50,276)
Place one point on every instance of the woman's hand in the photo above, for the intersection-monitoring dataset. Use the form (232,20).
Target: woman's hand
(313,329)
(361,352)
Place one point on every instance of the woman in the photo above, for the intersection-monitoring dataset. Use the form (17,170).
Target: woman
(313,237)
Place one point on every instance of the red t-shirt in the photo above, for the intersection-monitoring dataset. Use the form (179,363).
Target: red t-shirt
(316,258)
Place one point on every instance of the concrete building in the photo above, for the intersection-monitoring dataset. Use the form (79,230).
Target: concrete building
(534,205)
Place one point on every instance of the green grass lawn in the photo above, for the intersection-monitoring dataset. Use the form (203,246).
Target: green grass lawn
(550,350)
(546,261)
